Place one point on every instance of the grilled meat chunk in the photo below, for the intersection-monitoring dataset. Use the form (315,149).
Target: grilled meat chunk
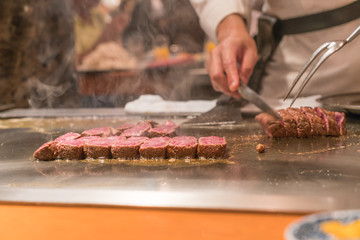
(138,130)
(127,149)
(67,136)
(100,148)
(316,123)
(46,151)
(182,147)
(70,149)
(271,125)
(211,147)
(101,132)
(289,123)
(329,120)
(303,122)
(154,148)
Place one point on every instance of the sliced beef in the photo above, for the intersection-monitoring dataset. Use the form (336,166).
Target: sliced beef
(303,126)
(167,129)
(67,136)
(47,151)
(124,127)
(289,123)
(303,122)
(154,148)
(162,131)
(88,138)
(271,125)
(182,147)
(341,122)
(329,120)
(127,149)
(138,130)
(98,148)
(316,122)
(101,132)
(339,119)
(70,149)
(170,123)
(115,139)
(211,147)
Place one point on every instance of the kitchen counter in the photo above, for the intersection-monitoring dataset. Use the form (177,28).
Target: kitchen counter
(19,221)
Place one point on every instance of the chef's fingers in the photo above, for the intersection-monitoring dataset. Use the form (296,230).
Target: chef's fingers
(217,75)
(216,71)
(248,60)
(229,61)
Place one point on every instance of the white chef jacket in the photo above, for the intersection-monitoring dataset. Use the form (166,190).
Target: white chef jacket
(339,74)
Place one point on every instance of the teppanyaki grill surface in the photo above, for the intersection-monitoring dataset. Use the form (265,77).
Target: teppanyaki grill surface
(292,175)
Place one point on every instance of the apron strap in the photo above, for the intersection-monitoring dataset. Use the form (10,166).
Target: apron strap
(318,21)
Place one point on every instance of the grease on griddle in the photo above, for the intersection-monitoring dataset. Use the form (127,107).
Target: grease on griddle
(119,167)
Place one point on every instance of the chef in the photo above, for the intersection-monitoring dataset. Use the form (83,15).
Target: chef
(227,23)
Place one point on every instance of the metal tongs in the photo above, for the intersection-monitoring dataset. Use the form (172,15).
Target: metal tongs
(330,47)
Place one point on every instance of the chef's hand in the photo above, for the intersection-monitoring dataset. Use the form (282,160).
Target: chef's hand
(234,57)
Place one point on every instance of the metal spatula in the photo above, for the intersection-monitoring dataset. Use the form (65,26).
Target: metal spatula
(226,112)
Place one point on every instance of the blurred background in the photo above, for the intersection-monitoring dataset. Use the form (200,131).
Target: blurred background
(100,53)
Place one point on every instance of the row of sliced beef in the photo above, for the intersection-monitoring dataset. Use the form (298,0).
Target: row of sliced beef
(143,140)
(144,128)
(303,122)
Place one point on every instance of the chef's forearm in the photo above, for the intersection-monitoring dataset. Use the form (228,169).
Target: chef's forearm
(213,12)
(233,24)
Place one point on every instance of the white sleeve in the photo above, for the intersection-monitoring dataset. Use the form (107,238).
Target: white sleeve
(212,12)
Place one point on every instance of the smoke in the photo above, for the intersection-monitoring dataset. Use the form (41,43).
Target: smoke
(177,22)
(43,94)
(37,43)
(37,48)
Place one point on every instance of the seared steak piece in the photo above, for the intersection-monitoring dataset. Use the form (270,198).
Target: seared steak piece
(46,151)
(271,125)
(101,132)
(182,147)
(211,147)
(302,122)
(98,148)
(138,130)
(115,139)
(67,136)
(289,123)
(316,122)
(88,138)
(170,123)
(341,122)
(162,132)
(154,148)
(127,149)
(70,149)
(167,129)
(124,127)
(329,120)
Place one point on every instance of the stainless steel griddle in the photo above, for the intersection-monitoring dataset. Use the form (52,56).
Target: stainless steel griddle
(293,175)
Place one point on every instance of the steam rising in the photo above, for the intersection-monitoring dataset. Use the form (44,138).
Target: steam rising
(37,44)
(38,58)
